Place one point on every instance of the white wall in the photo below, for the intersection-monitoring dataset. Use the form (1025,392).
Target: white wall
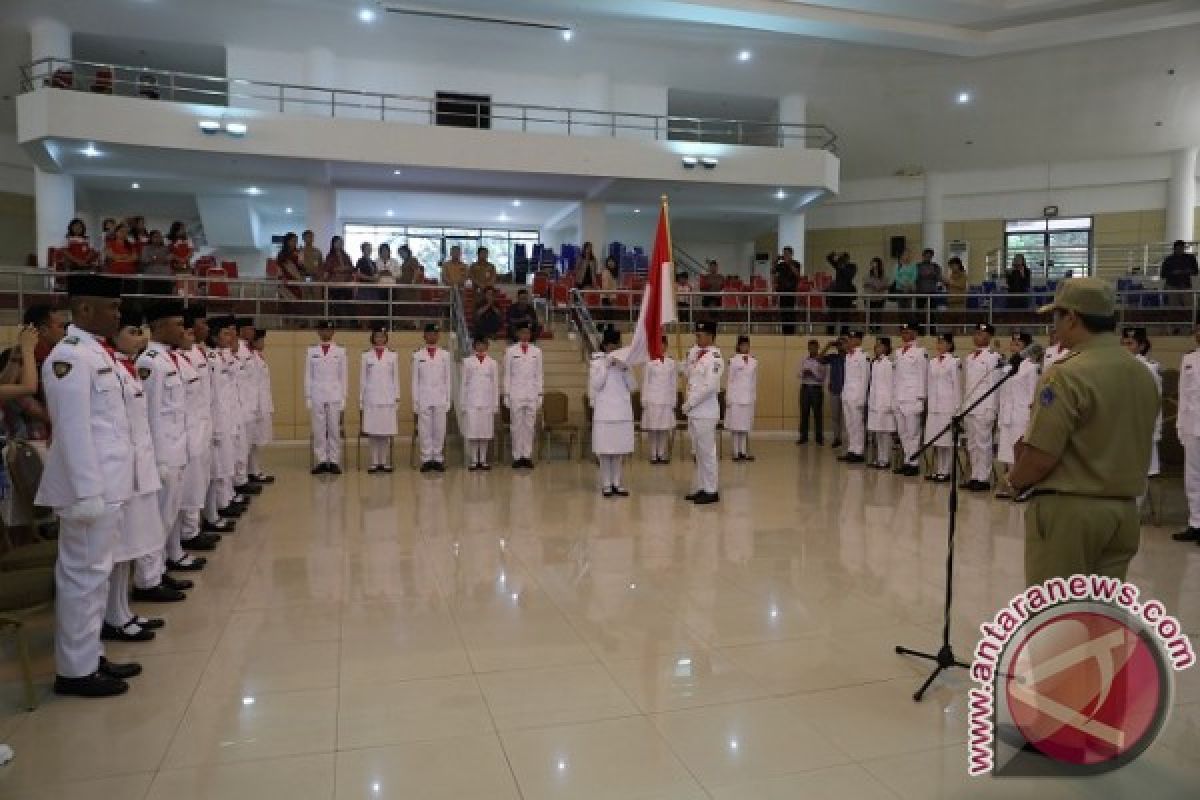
(16,170)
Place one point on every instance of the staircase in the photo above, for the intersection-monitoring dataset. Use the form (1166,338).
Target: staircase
(565,370)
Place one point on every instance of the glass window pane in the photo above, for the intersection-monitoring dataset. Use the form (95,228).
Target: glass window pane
(1071,223)
(1025,225)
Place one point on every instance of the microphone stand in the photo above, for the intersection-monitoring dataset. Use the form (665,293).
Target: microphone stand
(945,658)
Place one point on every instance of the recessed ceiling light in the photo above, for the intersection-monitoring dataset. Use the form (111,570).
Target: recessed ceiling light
(397,171)
(236,128)
(503,217)
(568,34)
(745,55)
(287,210)
(254,191)
(780,194)
(135,185)
(516,203)
(637,211)
(90,151)
(391,213)
(963,98)
(690,162)
(209,125)
(366,15)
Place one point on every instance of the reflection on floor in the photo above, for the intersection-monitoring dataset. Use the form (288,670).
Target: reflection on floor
(500,635)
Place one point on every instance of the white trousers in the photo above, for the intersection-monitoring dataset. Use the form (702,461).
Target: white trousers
(380,447)
(883,447)
(81,576)
(658,444)
(431,432)
(524,420)
(253,467)
(149,569)
(704,444)
(220,493)
(944,460)
(610,471)
(327,433)
(479,450)
(909,429)
(979,445)
(241,456)
(1191,477)
(856,427)
(741,440)
(117,612)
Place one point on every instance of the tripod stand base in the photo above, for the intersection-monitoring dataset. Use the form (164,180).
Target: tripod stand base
(944,659)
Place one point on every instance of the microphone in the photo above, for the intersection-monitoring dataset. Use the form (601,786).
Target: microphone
(1033,352)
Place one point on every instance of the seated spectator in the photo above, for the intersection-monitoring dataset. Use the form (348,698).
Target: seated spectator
(712,281)
(956,283)
(1019,282)
(120,258)
(77,251)
(523,312)
(586,269)
(488,320)
(181,248)
(482,272)
(1177,270)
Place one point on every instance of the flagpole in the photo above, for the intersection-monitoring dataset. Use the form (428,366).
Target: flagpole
(666,210)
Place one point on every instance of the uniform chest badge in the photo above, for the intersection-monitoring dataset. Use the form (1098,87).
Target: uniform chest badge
(61,369)
(1046,398)
(145,372)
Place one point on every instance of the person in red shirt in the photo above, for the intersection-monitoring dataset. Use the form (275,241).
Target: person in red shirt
(77,251)
(120,254)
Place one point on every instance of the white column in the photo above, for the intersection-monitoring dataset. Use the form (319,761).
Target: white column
(54,206)
(321,215)
(793,110)
(1181,196)
(49,38)
(593,227)
(933,227)
(791,234)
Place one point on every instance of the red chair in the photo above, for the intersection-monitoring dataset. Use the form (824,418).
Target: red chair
(541,285)
(63,78)
(215,282)
(627,280)
(103,82)
(761,301)
(231,268)
(561,294)
(624,299)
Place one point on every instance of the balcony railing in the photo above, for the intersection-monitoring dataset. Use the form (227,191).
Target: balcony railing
(1107,261)
(285,98)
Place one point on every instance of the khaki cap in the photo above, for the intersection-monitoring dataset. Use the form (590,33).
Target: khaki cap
(1091,296)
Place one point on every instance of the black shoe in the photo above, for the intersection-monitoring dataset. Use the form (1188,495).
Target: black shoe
(94,685)
(221,526)
(620,491)
(427,466)
(201,541)
(607,491)
(130,632)
(262,478)
(941,478)
(319,469)
(909,471)
(747,457)
(737,458)
(178,584)
(388,468)
(121,672)
(150,623)
(334,469)
(518,464)
(372,470)
(252,488)
(439,466)
(706,498)
(691,496)
(472,467)
(821,442)
(836,444)
(528,463)
(486,467)
(187,564)
(230,512)
(1190,535)
(159,594)
(802,440)
(854,458)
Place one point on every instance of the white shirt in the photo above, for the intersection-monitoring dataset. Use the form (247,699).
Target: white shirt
(944,384)
(741,387)
(480,384)
(1155,372)
(199,428)
(609,385)
(166,401)
(883,385)
(266,402)
(704,384)
(858,375)
(247,382)
(523,376)
(325,376)
(145,470)
(226,421)
(1054,354)
(912,366)
(92,451)
(432,377)
(379,378)
(1016,395)
(980,373)
(659,382)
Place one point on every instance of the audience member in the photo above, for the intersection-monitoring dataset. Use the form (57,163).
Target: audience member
(876,286)
(138,233)
(454,271)
(842,290)
(309,259)
(155,261)
(904,279)
(711,284)
(1177,270)
(956,283)
(609,281)
(411,270)
(339,269)
(181,248)
(521,313)
(1019,283)
(288,259)
(928,279)
(488,319)
(120,257)
(812,374)
(77,250)
(786,278)
(482,272)
(586,269)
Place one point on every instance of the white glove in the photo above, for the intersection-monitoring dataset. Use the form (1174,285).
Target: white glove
(88,509)
(164,472)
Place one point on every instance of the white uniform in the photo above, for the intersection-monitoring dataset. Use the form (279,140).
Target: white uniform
(479,397)
(325,396)
(912,368)
(610,384)
(660,379)
(166,402)
(1015,406)
(523,389)
(981,370)
(1156,373)
(432,379)
(140,529)
(247,407)
(944,387)
(91,457)
(1187,424)
(1054,354)
(741,392)
(854,400)
(703,409)
(379,391)
(264,432)
(198,421)
(226,428)
(881,417)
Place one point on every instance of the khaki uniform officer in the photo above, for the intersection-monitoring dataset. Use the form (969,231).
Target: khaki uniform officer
(1088,445)
(87,479)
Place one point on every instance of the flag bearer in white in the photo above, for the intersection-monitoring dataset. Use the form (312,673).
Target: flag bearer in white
(945,395)
(264,432)
(981,370)
(854,399)
(378,395)
(610,384)
(703,409)
(432,378)
(912,367)
(1015,405)
(325,396)
(480,398)
(523,390)
(222,505)
(159,368)
(140,530)
(248,377)
(881,402)
(1187,425)
(660,379)
(87,479)
(741,391)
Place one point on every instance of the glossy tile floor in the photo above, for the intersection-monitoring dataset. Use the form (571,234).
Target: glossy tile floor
(500,635)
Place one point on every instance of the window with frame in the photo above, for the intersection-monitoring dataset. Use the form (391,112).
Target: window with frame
(431,245)
(1053,248)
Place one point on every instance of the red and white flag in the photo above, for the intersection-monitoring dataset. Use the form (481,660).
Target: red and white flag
(658,299)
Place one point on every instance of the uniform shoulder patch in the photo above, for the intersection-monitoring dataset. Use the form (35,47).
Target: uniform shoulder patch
(1046,397)
(151,354)
(71,340)
(145,372)
(61,368)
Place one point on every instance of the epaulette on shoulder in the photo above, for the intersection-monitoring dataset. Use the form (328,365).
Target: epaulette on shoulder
(151,354)
(71,340)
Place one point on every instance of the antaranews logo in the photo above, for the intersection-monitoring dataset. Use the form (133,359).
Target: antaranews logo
(1075,677)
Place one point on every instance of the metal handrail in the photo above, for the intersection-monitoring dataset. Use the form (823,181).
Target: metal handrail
(1140,260)
(458,318)
(220,90)
(589,333)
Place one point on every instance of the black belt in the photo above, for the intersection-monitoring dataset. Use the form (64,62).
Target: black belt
(1030,494)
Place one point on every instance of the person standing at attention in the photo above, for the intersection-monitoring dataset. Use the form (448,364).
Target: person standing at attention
(378,395)
(702,407)
(325,396)
(660,379)
(432,377)
(480,398)
(881,418)
(1085,455)
(1015,401)
(1187,425)
(981,370)
(482,272)
(945,395)
(786,278)
(812,393)
(854,399)
(523,391)
(610,384)
(834,357)
(454,271)
(912,368)
(741,391)
(1177,270)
